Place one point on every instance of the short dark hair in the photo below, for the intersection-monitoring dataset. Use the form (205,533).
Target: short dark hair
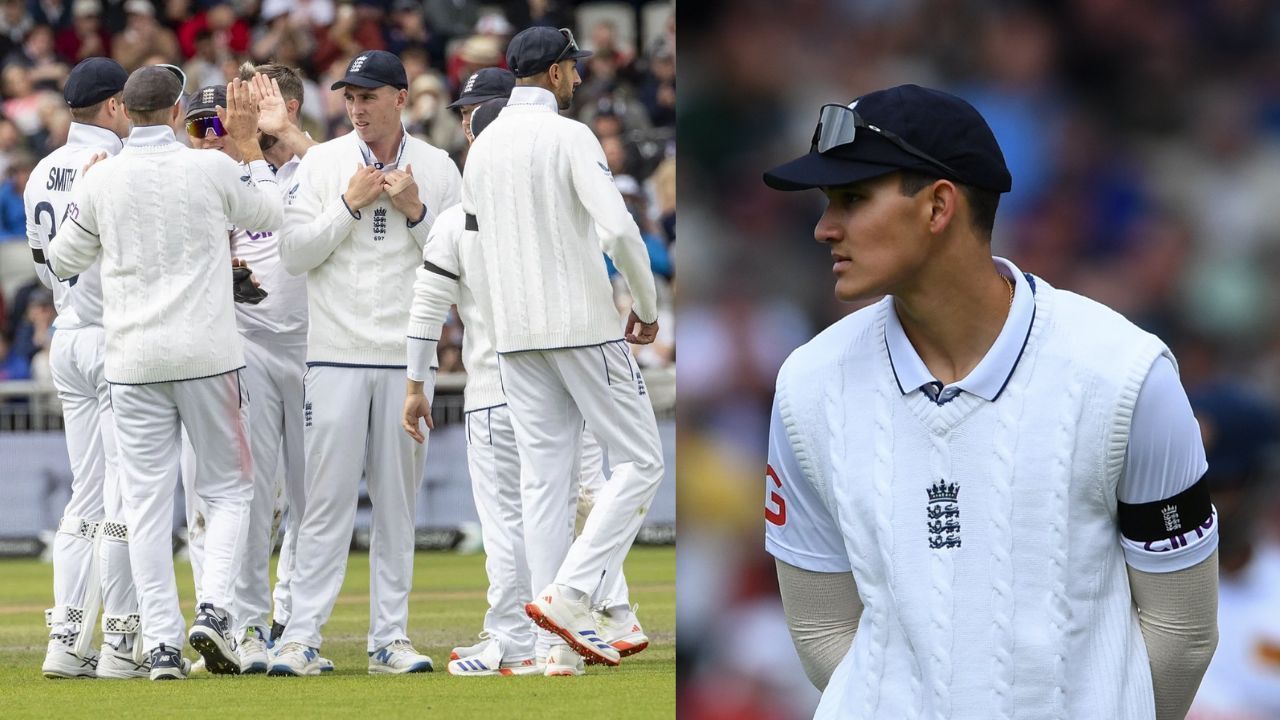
(89,113)
(286,77)
(982,203)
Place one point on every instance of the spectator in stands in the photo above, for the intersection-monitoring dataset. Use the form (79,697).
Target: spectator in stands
(206,66)
(142,36)
(428,118)
(229,32)
(85,37)
(658,88)
(31,337)
(477,51)
(13,220)
(15,24)
(408,27)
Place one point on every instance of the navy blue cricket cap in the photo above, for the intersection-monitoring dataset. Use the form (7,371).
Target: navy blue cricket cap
(206,100)
(535,49)
(93,80)
(373,69)
(485,84)
(907,127)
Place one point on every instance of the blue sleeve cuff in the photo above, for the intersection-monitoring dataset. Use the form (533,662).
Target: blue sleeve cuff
(354,213)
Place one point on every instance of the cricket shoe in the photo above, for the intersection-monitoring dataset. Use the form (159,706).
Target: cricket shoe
(468,650)
(119,664)
(295,660)
(398,658)
(621,629)
(562,661)
(168,664)
(554,611)
(253,652)
(490,661)
(211,637)
(61,662)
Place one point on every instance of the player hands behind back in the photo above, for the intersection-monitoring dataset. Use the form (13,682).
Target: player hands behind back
(974,481)
(555,325)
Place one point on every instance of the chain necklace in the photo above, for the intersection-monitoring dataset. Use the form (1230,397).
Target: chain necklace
(1010,284)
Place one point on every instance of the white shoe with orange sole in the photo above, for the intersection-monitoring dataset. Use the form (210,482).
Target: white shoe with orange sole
(553,610)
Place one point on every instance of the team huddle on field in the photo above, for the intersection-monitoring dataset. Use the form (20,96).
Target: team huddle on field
(258,315)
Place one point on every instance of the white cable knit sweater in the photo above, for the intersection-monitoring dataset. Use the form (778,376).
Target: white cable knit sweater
(546,206)
(982,535)
(360,271)
(452,274)
(157,213)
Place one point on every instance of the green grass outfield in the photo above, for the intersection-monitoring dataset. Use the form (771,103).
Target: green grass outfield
(446,608)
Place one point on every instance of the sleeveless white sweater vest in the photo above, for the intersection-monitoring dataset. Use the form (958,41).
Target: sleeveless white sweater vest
(982,535)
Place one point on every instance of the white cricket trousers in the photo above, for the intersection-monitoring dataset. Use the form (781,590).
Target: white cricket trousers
(273,376)
(550,393)
(613,592)
(493,461)
(76,361)
(214,411)
(352,424)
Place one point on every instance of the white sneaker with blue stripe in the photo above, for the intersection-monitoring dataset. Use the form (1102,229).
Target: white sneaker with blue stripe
(295,660)
(490,661)
(398,658)
(567,613)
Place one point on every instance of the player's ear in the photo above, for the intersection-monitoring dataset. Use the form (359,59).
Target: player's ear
(944,197)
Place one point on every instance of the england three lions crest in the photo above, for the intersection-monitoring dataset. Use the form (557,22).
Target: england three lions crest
(943,511)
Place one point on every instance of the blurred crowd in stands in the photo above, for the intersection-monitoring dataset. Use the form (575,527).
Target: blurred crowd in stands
(627,97)
(1144,141)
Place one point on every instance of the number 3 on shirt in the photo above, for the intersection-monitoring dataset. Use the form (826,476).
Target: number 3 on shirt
(775,509)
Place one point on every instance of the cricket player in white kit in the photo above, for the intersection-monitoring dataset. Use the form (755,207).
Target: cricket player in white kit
(274,330)
(451,274)
(984,494)
(356,226)
(90,551)
(157,213)
(539,193)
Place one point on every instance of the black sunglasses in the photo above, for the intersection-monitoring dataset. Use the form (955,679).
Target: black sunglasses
(838,126)
(571,47)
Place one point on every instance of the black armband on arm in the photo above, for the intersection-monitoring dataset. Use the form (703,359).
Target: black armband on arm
(1163,519)
(38,255)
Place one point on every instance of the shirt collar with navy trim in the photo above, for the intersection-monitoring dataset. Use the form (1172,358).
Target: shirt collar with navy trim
(95,137)
(151,136)
(992,373)
(533,95)
(370,159)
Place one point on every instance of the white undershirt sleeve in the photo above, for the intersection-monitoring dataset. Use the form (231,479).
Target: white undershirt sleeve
(1165,457)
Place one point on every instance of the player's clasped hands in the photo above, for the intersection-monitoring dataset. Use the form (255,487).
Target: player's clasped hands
(364,187)
(240,116)
(403,189)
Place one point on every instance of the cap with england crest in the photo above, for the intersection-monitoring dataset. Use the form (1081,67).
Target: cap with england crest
(373,69)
